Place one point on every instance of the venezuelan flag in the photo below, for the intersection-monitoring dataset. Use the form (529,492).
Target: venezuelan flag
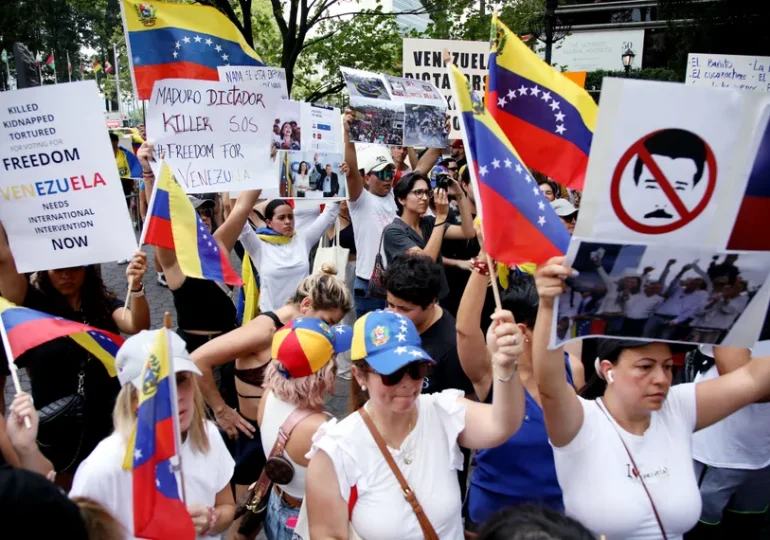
(518,223)
(174,224)
(248,298)
(159,513)
(26,329)
(546,116)
(180,41)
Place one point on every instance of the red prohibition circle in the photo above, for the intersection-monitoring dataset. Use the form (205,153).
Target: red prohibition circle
(686,216)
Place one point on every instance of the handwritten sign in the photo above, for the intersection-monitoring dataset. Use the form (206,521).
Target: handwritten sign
(61,199)
(267,77)
(215,136)
(729,71)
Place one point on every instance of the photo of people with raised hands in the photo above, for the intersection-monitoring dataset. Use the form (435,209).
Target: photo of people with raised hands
(424,126)
(377,121)
(638,291)
(313,175)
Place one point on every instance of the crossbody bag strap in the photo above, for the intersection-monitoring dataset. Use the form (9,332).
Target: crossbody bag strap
(636,470)
(425,525)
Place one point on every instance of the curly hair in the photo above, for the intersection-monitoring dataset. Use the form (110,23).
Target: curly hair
(305,392)
(414,278)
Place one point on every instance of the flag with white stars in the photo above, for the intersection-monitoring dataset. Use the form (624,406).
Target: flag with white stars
(547,117)
(519,225)
(180,41)
(159,512)
(174,224)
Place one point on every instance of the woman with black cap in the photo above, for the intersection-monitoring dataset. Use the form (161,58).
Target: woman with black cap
(633,445)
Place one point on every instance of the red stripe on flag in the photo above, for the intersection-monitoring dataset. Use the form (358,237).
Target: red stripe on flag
(751,220)
(228,273)
(159,233)
(147,75)
(509,237)
(542,150)
(30,334)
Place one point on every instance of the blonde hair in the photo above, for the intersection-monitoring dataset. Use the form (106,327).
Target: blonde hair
(305,392)
(124,416)
(325,290)
(99,523)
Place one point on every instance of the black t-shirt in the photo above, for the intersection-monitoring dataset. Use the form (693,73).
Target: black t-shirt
(399,237)
(440,342)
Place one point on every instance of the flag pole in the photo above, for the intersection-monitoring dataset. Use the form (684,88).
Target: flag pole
(12,366)
(55,77)
(174,402)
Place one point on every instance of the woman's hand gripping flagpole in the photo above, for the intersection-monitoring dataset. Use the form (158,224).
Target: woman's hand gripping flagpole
(12,367)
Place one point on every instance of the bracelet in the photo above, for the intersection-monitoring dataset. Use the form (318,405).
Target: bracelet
(439,224)
(139,293)
(509,377)
(212,521)
(480,267)
(148,174)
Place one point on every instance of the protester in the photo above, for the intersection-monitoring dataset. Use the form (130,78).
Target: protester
(18,444)
(99,523)
(207,466)
(522,469)
(547,188)
(732,460)
(423,434)
(77,294)
(322,296)
(298,379)
(400,154)
(372,207)
(198,323)
(301,179)
(639,422)
(415,233)
(458,152)
(530,522)
(567,213)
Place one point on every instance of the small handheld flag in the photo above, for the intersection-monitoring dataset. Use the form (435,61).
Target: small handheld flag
(518,223)
(107,67)
(547,117)
(97,66)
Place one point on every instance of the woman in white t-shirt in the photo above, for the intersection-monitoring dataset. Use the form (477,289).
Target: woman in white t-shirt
(298,380)
(207,464)
(349,483)
(302,179)
(624,461)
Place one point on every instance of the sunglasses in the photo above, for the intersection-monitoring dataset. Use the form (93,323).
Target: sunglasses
(385,175)
(453,169)
(571,218)
(206,212)
(416,370)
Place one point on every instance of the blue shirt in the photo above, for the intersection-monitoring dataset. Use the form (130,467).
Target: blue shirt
(519,471)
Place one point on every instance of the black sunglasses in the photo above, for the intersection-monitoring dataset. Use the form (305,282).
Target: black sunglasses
(416,370)
(206,212)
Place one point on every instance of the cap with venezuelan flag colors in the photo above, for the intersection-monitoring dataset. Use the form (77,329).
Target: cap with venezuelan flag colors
(305,345)
(387,341)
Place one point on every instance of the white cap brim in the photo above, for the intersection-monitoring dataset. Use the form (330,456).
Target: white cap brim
(180,364)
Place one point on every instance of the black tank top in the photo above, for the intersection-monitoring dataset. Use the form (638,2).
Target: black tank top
(201,305)
(347,239)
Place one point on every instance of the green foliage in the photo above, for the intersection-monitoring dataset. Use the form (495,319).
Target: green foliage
(594,78)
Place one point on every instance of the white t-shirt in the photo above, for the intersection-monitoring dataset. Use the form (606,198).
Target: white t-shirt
(282,267)
(599,486)
(381,510)
(305,214)
(740,441)
(101,476)
(641,306)
(370,215)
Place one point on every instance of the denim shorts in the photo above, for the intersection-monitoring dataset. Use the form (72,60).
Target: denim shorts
(278,514)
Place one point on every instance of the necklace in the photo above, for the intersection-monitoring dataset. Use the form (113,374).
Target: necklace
(406,451)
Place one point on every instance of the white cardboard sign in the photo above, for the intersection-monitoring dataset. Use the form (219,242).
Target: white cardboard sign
(215,136)
(61,200)
(264,76)
(729,71)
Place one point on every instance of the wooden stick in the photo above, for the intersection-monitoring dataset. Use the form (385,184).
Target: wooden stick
(493,276)
(174,402)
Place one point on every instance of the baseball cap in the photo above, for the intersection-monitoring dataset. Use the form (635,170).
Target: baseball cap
(135,350)
(387,341)
(306,345)
(438,170)
(563,207)
(457,143)
(197,202)
(374,158)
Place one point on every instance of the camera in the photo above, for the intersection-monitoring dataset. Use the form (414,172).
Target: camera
(442,182)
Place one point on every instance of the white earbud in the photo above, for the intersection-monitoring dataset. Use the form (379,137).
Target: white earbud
(363,388)
(610,377)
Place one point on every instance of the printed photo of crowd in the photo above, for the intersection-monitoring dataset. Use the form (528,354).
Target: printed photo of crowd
(425,126)
(638,291)
(377,121)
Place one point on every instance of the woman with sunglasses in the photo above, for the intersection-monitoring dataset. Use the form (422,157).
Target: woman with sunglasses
(61,369)
(414,232)
(349,482)
(633,446)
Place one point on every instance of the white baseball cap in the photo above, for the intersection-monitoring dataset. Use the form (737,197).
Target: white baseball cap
(133,354)
(374,158)
(563,207)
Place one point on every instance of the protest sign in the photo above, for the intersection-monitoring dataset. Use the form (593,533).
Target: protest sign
(312,175)
(322,127)
(264,76)
(423,59)
(729,71)
(687,295)
(215,136)
(395,111)
(61,200)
